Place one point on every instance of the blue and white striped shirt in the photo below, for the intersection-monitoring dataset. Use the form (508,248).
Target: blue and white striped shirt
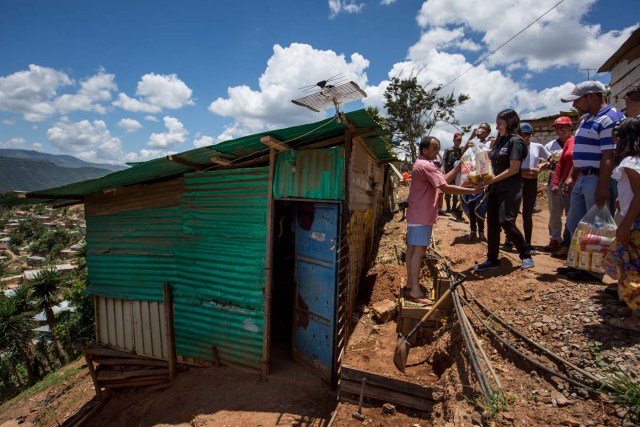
(593,137)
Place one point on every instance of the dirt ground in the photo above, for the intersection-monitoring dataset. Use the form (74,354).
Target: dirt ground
(566,317)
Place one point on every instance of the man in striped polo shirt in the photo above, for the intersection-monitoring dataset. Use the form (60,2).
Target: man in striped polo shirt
(593,156)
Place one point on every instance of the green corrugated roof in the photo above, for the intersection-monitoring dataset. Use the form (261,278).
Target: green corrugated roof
(247,146)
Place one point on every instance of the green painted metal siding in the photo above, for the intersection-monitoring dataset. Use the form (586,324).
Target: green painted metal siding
(219,291)
(310,174)
(131,254)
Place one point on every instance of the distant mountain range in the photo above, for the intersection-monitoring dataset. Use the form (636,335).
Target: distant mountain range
(26,170)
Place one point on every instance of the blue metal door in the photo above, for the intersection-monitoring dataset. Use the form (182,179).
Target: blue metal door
(316,275)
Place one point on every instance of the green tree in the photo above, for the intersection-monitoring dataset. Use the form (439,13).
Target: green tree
(413,111)
(45,293)
(16,332)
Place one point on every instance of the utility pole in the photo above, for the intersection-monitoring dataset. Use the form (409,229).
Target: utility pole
(588,70)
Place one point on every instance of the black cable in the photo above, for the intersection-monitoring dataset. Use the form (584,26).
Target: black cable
(475,363)
(524,356)
(531,342)
(481,60)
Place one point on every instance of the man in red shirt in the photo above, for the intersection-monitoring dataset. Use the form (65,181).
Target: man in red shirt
(422,212)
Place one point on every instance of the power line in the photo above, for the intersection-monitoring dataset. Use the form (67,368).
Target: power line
(481,60)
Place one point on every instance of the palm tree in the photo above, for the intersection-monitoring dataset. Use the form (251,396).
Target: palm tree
(16,332)
(22,299)
(45,291)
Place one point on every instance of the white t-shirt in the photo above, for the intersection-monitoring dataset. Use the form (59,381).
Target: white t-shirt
(552,146)
(536,153)
(625,192)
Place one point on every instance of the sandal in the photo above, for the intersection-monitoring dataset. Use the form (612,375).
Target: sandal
(625,323)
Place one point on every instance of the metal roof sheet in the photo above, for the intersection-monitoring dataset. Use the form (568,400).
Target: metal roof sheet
(247,146)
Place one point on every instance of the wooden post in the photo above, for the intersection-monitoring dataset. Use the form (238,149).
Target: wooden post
(92,372)
(266,340)
(168,317)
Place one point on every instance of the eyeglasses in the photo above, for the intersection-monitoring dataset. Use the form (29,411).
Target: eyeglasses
(481,128)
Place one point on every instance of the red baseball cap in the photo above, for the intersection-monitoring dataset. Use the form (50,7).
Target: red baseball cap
(562,120)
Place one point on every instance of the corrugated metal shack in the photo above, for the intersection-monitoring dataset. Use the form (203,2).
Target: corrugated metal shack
(262,239)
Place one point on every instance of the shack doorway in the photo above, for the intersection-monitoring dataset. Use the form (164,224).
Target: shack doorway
(304,290)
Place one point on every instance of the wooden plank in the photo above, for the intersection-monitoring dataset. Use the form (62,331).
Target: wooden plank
(268,286)
(386,395)
(102,324)
(92,372)
(129,361)
(120,375)
(96,350)
(327,142)
(137,383)
(170,339)
(356,375)
(274,143)
(195,166)
(221,161)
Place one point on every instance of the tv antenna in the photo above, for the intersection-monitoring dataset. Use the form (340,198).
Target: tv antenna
(332,92)
(588,70)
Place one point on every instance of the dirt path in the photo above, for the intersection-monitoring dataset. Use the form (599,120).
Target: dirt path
(567,318)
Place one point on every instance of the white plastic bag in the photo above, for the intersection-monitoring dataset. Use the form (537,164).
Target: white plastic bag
(594,234)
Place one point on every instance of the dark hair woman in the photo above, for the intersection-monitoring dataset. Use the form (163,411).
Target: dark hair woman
(506,158)
(622,261)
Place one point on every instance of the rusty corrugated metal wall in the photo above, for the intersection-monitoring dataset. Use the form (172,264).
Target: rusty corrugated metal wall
(218,293)
(210,248)
(310,174)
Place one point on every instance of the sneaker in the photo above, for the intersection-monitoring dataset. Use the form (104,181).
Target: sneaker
(487,265)
(532,250)
(553,246)
(472,236)
(508,246)
(481,237)
(561,253)
(536,209)
(527,263)
(442,212)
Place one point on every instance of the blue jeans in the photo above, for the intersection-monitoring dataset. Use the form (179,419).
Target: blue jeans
(582,198)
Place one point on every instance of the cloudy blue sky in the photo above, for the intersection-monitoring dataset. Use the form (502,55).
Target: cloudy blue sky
(123,81)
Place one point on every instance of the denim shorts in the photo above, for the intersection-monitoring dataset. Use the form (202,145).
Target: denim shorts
(419,235)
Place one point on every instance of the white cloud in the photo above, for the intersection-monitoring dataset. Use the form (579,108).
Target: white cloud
(14,143)
(129,125)
(176,134)
(93,91)
(348,6)
(90,141)
(8,122)
(37,146)
(156,92)
(559,39)
(135,106)
(151,118)
(30,92)
(387,2)
(288,69)
(203,141)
